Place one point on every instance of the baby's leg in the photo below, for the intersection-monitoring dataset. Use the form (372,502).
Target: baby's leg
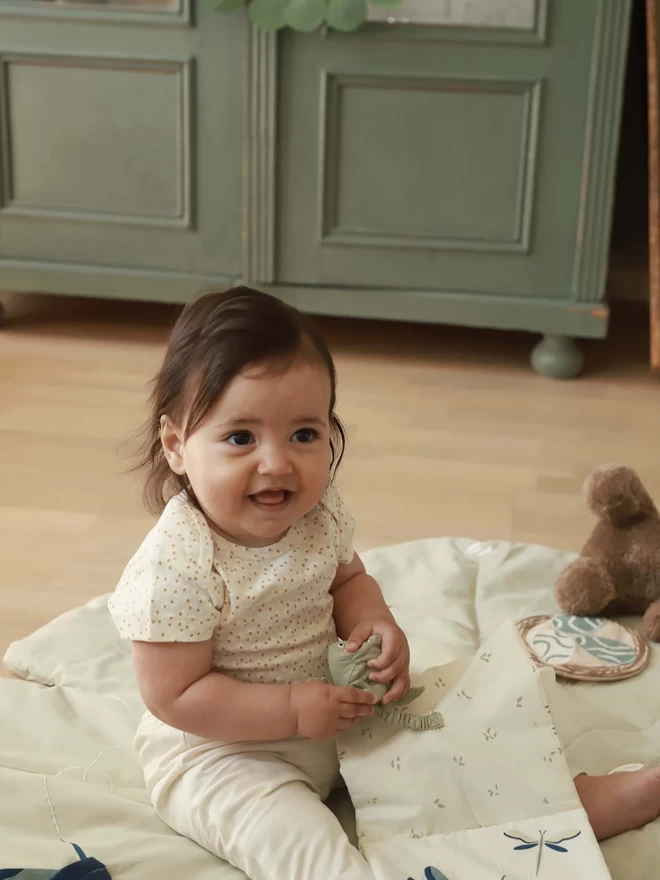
(620,802)
(259,812)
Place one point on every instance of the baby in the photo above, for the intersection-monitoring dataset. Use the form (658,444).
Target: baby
(244,582)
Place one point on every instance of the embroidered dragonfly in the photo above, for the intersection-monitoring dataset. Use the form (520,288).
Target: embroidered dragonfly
(542,842)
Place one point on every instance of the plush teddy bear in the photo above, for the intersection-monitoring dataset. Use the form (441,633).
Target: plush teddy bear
(618,571)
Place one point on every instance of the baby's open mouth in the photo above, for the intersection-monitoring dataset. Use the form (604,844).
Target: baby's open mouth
(271,498)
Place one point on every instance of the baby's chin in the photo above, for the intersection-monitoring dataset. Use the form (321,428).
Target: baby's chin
(264,529)
(270,529)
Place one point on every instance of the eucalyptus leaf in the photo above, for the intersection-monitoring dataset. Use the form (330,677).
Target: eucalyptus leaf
(306,15)
(386,4)
(346,15)
(268,14)
(227,5)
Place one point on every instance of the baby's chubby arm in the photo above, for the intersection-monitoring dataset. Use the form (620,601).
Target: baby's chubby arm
(179,687)
(361,611)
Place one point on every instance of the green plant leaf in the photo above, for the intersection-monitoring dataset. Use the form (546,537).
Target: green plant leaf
(305,15)
(386,4)
(346,15)
(227,5)
(268,14)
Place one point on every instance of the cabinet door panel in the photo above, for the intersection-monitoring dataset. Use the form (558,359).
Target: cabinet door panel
(120,141)
(424,158)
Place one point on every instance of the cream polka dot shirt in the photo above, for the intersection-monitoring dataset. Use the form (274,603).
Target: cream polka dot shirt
(268,609)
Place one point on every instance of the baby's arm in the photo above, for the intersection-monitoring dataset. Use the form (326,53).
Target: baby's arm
(357,599)
(178,686)
(361,611)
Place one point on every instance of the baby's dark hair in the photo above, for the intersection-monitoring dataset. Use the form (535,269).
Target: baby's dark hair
(215,338)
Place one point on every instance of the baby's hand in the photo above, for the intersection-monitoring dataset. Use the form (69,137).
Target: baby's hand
(321,710)
(393,663)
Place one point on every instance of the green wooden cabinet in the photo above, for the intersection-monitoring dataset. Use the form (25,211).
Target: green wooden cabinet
(458,171)
(120,147)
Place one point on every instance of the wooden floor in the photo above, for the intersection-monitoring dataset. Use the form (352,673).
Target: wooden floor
(450,434)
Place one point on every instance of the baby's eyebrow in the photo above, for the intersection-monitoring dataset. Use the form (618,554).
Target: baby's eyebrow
(310,420)
(252,420)
(239,420)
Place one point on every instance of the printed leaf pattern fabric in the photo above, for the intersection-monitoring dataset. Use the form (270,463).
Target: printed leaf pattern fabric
(497,768)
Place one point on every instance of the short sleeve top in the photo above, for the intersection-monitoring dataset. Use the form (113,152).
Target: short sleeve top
(268,610)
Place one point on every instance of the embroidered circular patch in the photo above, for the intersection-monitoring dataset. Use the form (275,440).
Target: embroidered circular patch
(585,648)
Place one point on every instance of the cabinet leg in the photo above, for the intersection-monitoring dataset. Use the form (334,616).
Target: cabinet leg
(557,357)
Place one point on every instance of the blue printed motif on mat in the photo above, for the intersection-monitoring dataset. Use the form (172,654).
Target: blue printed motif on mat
(432,874)
(570,632)
(82,869)
(527,843)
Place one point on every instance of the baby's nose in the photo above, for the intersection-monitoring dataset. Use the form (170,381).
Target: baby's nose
(274,461)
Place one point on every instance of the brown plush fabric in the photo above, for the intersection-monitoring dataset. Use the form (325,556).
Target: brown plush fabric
(618,571)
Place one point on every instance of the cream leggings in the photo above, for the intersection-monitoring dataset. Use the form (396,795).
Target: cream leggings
(259,806)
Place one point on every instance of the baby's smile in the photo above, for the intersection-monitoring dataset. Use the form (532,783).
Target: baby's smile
(271,500)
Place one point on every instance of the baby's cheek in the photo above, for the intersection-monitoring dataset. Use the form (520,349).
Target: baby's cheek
(222,492)
(318,482)
(228,477)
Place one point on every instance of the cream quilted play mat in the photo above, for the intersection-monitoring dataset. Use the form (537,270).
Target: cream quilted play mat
(488,796)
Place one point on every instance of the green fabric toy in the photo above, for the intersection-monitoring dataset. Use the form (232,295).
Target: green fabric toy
(352,670)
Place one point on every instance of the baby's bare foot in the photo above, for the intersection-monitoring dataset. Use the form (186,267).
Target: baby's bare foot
(620,802)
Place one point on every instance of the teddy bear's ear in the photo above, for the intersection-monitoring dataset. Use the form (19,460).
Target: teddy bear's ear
(615,493)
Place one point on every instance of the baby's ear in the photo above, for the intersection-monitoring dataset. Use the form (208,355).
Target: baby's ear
(172,442)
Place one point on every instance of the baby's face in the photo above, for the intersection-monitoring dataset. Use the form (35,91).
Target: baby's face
(260,458)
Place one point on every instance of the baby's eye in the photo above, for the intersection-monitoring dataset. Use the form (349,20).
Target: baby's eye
(240,438)
(305,435)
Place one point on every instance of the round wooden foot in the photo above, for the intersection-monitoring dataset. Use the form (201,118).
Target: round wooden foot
(557,357)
